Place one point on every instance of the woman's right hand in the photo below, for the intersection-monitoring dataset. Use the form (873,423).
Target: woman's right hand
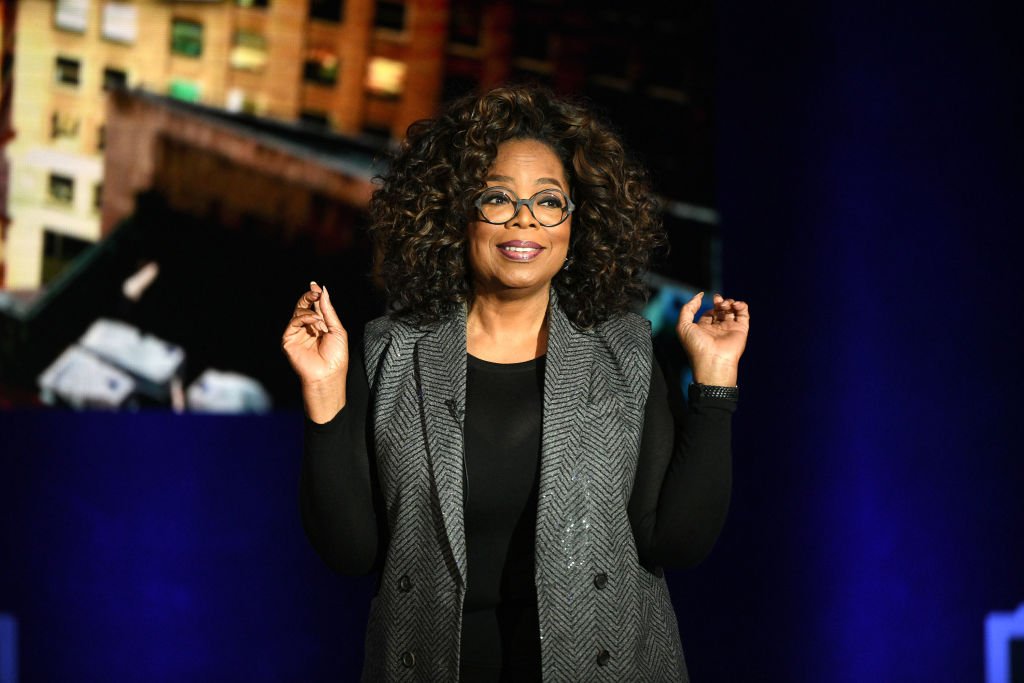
(316,345)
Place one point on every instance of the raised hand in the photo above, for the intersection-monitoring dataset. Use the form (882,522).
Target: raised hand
(716,341)
(316,344)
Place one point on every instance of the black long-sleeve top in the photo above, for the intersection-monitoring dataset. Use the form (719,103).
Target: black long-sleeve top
(676,509)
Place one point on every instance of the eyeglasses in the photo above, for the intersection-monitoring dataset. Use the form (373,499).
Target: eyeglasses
(498,205)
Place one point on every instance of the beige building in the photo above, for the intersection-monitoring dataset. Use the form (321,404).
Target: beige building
(8,11)
(322,61)
(357,67)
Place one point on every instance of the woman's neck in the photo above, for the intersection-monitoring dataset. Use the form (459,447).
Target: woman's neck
(507,329)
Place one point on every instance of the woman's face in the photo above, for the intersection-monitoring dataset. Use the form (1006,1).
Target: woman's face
(520,254)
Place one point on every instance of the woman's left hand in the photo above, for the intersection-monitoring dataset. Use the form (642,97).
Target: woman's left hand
(716,341)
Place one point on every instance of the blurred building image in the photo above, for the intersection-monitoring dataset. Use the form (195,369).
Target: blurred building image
(291,61)
(8,12)
(255,126)
(211,221)
(358,67)
(234,169)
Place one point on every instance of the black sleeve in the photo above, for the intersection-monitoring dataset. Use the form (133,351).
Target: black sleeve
(338,491)
(683,480)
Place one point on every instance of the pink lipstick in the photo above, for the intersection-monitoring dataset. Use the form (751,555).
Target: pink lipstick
(520,250)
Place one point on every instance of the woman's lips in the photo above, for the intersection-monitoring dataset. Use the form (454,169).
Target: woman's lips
(518,250)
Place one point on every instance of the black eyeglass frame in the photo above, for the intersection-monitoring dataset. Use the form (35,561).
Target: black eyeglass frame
(570,206)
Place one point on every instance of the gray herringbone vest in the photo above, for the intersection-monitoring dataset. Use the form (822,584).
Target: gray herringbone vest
(595,388)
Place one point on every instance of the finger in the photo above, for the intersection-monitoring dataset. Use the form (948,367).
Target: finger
(307,308)
(304,329)
(717,311)
(730,308)
(330,315)
(304,307)
(314,321)
(741,309)
(708,316)
(719,308)
(316,289)
(305,301)
(690,308)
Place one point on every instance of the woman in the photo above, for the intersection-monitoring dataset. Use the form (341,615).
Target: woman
(500,446)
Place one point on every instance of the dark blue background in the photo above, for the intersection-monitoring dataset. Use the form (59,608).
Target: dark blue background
(869,177)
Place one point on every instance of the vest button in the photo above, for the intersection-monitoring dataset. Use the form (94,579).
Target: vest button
(405,583)
(603,657)
(601,580)
(408,660)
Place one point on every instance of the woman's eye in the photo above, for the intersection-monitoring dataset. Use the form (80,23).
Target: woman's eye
(551,200)
(495,198)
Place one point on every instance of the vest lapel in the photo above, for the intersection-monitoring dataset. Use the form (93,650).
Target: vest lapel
(567,371)
(439,360)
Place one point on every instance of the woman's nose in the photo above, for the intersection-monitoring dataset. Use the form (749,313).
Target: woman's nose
(523,217)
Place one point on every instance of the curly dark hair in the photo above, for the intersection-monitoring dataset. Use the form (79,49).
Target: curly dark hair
(420,212)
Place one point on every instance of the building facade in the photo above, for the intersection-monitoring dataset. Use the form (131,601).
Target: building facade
(356,67)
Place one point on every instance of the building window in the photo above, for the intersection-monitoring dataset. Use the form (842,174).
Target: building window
(59,251)
(327,10)
(61,189)
(532,36)
(184,90)
(258,4)
(114,79)
(72,15)
(385,77)
(68,71)
(64,125)
(186,38)
(320,67)
(315,118)
(390,15)
(456,85)
(248,51)
(464,23)
(120,22)
(377,133)
(237,101)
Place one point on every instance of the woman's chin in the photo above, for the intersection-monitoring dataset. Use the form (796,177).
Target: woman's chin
(518,283)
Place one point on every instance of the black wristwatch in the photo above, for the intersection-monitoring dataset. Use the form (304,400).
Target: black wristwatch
(712,391)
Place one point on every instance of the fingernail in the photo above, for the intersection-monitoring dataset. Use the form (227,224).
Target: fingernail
(326,294)
(324,327)
(312,283)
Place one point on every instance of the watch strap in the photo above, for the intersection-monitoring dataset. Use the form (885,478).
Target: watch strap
(712,391)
